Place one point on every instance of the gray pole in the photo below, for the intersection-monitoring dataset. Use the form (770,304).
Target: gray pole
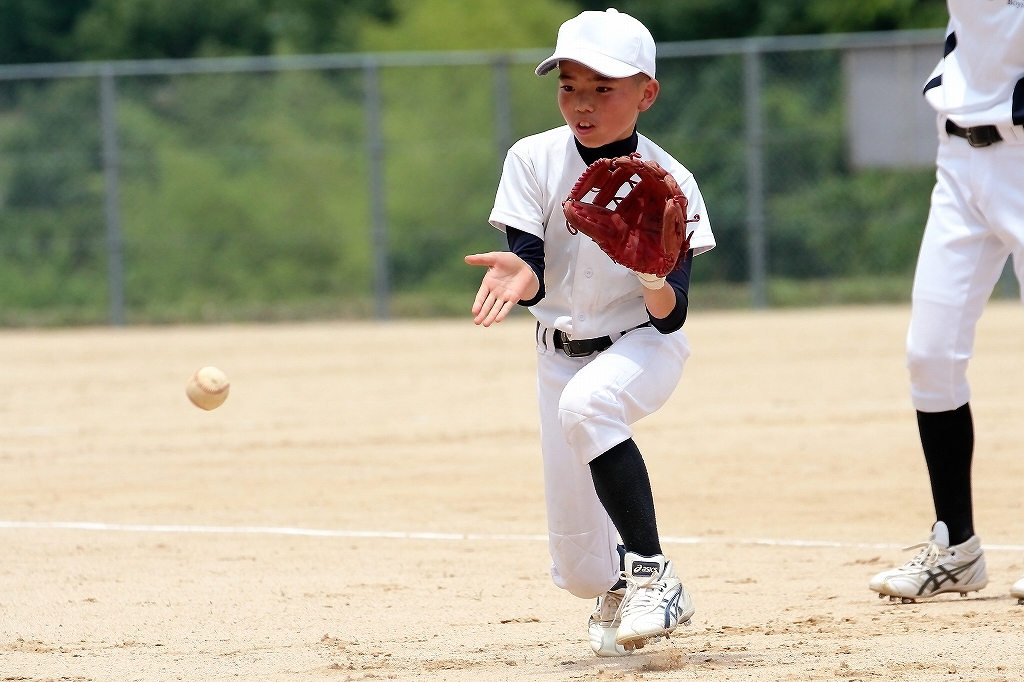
(756,252)
(378,219)
(502,122)
(502,110)
(112,195)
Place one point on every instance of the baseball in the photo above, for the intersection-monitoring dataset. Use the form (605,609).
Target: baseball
(207,388)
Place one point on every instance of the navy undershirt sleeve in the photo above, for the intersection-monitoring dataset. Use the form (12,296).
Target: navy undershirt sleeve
(530,248)
(679,280)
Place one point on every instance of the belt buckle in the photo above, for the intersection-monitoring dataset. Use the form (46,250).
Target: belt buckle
(975,142)
(570,348)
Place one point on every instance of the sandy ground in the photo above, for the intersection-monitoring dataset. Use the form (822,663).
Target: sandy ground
(787,426)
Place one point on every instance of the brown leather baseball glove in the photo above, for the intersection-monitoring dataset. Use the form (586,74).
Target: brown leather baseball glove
(644,229)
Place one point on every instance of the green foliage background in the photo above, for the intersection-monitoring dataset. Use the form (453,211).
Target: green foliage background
(245,196)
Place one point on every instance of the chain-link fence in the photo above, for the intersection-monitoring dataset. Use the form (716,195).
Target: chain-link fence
(257,188)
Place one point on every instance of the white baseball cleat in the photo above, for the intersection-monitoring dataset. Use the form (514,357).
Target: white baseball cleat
(1018,591)
(655,602)
(937,569)
(604,623)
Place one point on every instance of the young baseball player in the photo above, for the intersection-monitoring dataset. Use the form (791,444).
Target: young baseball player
(609,346)
(976,221)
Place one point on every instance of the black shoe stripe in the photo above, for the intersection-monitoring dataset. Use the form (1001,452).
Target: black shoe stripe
(672,608)
(943,575)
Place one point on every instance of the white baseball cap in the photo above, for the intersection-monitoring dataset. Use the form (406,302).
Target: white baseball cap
(612,43)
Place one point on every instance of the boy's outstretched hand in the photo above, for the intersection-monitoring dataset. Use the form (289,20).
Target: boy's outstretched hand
(508,280)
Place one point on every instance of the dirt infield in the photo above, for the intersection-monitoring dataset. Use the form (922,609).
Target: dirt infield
(414,445)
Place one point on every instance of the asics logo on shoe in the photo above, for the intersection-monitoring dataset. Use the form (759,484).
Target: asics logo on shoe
(645,569)
(942,575)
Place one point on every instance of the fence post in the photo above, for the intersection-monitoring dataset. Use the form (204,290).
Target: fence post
(502,109)
(756,252)
(112,194)
(502,123)
(378,217)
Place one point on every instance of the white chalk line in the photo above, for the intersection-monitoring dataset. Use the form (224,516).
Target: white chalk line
(403,535)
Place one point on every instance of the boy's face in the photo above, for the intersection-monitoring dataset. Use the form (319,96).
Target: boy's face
(600,109)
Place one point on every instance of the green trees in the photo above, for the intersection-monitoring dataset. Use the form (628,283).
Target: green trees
(51,215)
(246,195)
(38,30)
(71,30)
(703,19)
(240,192)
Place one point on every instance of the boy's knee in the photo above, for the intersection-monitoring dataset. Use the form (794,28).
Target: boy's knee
(938,382)
(592,422)
(577,406)
(585,564)
(587,579)
(584,587)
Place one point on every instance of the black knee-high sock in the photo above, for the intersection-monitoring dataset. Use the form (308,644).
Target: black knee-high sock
(624,488)
(948,442)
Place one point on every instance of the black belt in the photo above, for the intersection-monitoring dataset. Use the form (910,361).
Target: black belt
(978,136)
(584,347)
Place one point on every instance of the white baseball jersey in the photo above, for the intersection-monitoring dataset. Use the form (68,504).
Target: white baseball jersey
(587,295)
(980,80)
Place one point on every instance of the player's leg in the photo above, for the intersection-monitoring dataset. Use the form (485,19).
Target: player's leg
(582,540)
(625,383)
(960,261)
(947,439)
(654,600)
(624,488)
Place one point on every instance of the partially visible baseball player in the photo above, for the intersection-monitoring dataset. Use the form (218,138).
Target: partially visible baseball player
(976,221)
(609,346)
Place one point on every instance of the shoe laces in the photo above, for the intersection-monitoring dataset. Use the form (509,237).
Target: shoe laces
(642,596)
(931,554)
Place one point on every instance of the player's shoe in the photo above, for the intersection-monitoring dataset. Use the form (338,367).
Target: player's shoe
(604,622)
(1018,591)
(655,603)
(937,569)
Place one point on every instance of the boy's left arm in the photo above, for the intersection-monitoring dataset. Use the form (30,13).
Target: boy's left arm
(666,306)
(660,302)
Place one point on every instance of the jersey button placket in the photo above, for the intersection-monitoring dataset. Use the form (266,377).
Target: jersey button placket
(584,289)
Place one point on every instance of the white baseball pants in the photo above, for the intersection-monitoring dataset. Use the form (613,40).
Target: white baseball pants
(586,407)
(976,220)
